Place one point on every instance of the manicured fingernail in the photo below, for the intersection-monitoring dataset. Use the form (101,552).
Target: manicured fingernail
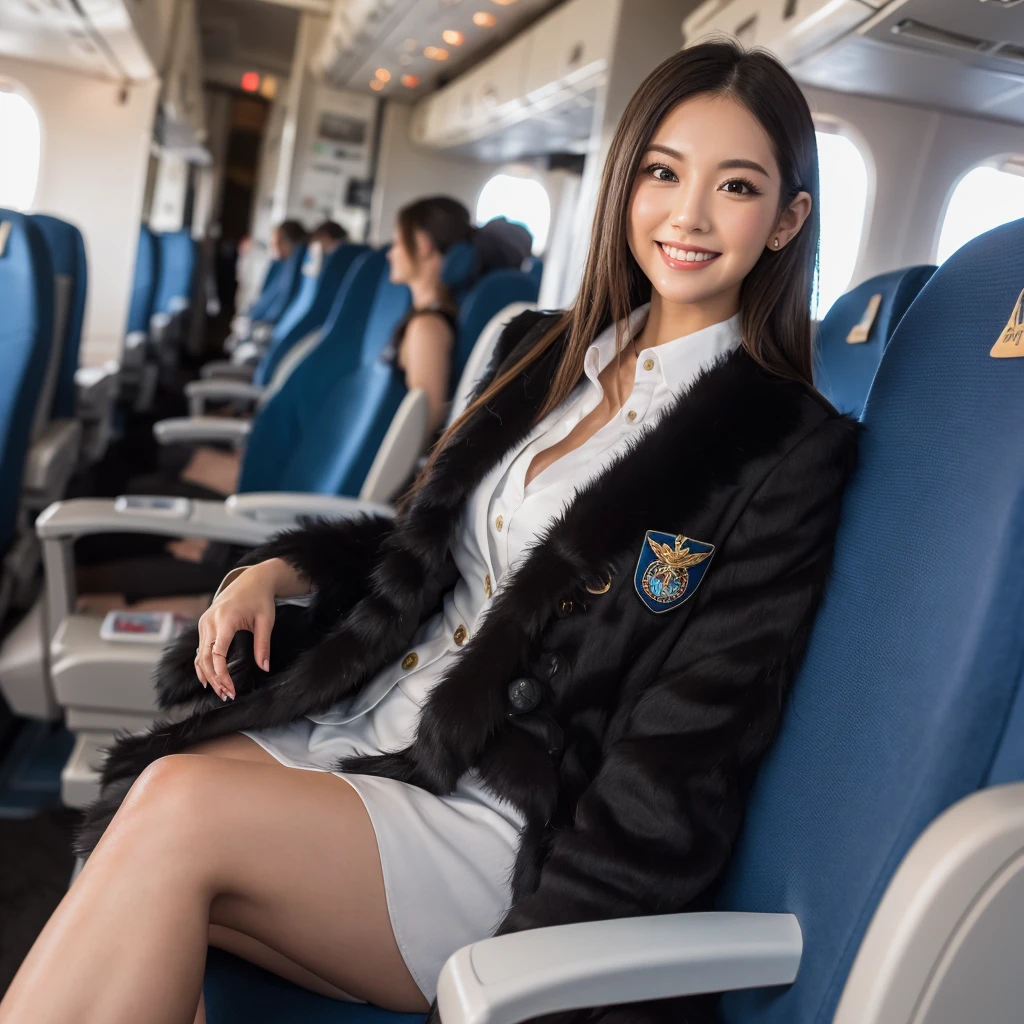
(223,696)
(266,664)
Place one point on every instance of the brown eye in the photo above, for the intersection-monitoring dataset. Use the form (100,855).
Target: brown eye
(660,172)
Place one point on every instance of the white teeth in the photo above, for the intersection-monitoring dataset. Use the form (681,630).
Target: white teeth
(686,255)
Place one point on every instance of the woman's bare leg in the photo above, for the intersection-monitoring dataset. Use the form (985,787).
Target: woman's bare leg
(283,856)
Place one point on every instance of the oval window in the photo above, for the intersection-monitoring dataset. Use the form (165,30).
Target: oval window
(520,199)
(984,198)
(19,143)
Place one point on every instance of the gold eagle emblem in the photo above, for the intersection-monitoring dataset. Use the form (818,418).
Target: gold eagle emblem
(678,558)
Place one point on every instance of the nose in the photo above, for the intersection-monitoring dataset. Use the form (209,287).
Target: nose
(690,211)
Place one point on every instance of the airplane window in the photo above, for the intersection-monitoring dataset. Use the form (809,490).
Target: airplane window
(843,176)
(19,143)
(985,198)
(522,199)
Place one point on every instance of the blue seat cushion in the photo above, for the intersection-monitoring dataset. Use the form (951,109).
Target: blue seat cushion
(238,992)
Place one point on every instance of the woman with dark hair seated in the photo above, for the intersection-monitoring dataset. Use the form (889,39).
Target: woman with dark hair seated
(539,694)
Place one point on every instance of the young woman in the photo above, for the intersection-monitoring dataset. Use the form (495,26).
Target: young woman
(421,346)
(537,696)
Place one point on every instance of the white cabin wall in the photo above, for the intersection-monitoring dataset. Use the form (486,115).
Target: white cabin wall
(406,172)
(920,156)
(93,173)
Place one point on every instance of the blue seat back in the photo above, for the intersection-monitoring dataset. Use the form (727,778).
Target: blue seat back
(844,370)
(285,420)
(147,264)
(284,286)
(459,269)
(257,307)
(177,269)
(26,338)
(67,250)
(310,309)
(913,672)
(491,294)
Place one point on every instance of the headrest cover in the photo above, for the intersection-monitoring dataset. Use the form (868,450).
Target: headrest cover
(459,266)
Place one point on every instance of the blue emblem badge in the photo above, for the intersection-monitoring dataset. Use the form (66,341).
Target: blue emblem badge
(670,569)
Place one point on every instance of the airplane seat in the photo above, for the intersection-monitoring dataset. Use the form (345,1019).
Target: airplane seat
(173,301)
(57,433)
(310,309)
(137,378)
(491,293)
(853,335)
(26,343)
(905,703)
(459,270)
(251,332)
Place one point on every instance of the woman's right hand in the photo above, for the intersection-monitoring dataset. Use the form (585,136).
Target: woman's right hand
(247,603)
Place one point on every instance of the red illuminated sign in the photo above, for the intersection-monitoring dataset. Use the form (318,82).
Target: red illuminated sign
(250,81)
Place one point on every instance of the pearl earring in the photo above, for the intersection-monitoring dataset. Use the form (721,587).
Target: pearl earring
(776,242)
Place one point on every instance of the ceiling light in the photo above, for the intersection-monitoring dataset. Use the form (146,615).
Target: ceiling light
(383,74)
(435,53)
(410,45)
(484,19)
(250,81)
(376,84)
(453,37)
(410,81)
(503,3)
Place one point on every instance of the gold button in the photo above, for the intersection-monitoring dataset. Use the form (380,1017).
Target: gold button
(631,415)
(499,524)
(410,661)
(487,585)
(648,364)
(565,607)
(460,635)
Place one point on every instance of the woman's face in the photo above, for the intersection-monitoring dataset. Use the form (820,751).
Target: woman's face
(705,202)
(403,267)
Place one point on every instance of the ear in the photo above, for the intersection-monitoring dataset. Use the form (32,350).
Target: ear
(791,221)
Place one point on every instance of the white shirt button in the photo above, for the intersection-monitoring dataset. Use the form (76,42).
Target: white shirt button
(499,523)
(631,415)
(648,364)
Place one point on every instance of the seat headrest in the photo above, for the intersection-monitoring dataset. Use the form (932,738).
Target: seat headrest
(459,267)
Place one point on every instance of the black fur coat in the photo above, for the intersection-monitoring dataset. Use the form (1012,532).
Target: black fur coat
(626,736)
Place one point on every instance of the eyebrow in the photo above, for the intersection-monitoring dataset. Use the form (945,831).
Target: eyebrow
(726,165)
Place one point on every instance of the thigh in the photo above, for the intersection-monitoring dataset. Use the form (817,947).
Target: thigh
(289,858)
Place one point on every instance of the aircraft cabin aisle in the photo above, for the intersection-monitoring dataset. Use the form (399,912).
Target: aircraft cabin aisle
(257,255)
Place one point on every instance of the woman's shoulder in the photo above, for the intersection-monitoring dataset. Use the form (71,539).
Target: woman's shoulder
(523,330)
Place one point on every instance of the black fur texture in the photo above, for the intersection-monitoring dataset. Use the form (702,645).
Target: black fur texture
(631,772)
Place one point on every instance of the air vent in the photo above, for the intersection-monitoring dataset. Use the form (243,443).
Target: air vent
(1009,51)
(917,32)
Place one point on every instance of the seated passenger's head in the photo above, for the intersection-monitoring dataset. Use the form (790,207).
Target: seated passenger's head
(286,237)
(424,231)
(709,204)
(329,235)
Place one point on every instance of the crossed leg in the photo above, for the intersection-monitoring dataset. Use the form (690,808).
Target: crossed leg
(221,844)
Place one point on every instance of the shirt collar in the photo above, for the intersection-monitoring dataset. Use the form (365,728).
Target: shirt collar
(679,360)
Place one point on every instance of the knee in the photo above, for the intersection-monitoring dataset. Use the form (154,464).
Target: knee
(170,796)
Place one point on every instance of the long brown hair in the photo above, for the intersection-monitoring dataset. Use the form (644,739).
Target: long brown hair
(775,297)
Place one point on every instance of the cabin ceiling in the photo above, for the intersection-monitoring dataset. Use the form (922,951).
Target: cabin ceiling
(964,56)
(252,34)
(396,39)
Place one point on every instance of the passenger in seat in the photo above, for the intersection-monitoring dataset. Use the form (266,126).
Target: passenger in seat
(286,238)
(329,236)
(539,694)
(422,342)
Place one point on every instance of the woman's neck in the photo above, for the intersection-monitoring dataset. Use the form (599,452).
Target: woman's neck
(425,292)
(667,321)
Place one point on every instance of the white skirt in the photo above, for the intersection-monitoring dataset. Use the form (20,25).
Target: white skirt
(447,861)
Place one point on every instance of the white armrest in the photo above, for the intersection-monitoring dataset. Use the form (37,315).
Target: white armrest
(221,368)
(64,521)
(202,430)
(92,380)
(51,461)
(282,508)
(210,520)
(199,392)
(515,977)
